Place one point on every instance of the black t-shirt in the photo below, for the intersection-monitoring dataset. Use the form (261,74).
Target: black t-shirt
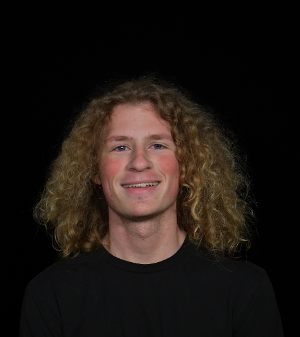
(189,294)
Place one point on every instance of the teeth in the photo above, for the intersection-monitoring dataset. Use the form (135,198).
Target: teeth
(141,185)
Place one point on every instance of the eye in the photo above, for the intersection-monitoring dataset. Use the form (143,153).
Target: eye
(158,146)
(121,148)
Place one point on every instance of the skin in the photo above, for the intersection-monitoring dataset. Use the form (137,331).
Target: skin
(139,148)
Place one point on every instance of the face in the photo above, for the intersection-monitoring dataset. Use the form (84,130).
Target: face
(138,169)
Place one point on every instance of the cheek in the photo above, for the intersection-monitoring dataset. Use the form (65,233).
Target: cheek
(169,166)
(109,170)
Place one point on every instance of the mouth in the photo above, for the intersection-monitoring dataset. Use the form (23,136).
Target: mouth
(142,185)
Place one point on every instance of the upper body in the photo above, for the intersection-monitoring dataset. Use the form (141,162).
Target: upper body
(143,172)
(189,294)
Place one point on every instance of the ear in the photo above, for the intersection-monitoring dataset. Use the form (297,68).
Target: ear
(96,179)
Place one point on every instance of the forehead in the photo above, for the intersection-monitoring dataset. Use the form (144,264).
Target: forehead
(136,118)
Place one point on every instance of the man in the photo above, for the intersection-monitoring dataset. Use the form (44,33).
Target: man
(147,204)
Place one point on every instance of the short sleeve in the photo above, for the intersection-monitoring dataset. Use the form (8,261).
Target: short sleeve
(39,318)
(256,311)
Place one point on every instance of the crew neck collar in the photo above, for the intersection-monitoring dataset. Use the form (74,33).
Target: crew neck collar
(152,267)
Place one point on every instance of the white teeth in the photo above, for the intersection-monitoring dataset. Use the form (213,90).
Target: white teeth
(141,185)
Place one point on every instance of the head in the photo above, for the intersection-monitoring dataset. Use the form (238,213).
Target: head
(210,202)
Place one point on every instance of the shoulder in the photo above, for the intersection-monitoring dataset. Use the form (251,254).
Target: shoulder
(245,287)
(66,274)
(61,293)
(238,274)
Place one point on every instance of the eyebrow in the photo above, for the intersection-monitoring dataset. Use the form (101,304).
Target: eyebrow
(120,138)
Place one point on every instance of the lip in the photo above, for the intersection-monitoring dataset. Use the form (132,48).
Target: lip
(140,182)
(140,190)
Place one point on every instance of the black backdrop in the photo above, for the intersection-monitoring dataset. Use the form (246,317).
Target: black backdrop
(238,61)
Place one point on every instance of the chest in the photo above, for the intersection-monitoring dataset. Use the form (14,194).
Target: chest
(130,304)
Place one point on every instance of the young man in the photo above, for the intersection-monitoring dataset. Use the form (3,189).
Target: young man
(147,204)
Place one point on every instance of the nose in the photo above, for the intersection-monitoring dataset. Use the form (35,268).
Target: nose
(139,160)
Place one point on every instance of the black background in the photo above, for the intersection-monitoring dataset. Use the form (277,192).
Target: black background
(237,60)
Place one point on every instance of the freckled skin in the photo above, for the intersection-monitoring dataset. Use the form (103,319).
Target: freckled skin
(135,159)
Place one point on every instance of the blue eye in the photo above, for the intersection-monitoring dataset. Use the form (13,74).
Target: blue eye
(121,148)
(158,146)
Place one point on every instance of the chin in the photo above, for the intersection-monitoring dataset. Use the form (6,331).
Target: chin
(140,216)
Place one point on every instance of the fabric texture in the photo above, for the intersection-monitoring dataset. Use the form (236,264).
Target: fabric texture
(191,294)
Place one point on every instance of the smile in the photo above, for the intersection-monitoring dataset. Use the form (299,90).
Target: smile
(141,185)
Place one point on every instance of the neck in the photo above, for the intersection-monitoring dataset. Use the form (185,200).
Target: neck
(144,242)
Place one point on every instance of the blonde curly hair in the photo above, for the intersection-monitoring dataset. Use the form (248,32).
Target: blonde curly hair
(212,202)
